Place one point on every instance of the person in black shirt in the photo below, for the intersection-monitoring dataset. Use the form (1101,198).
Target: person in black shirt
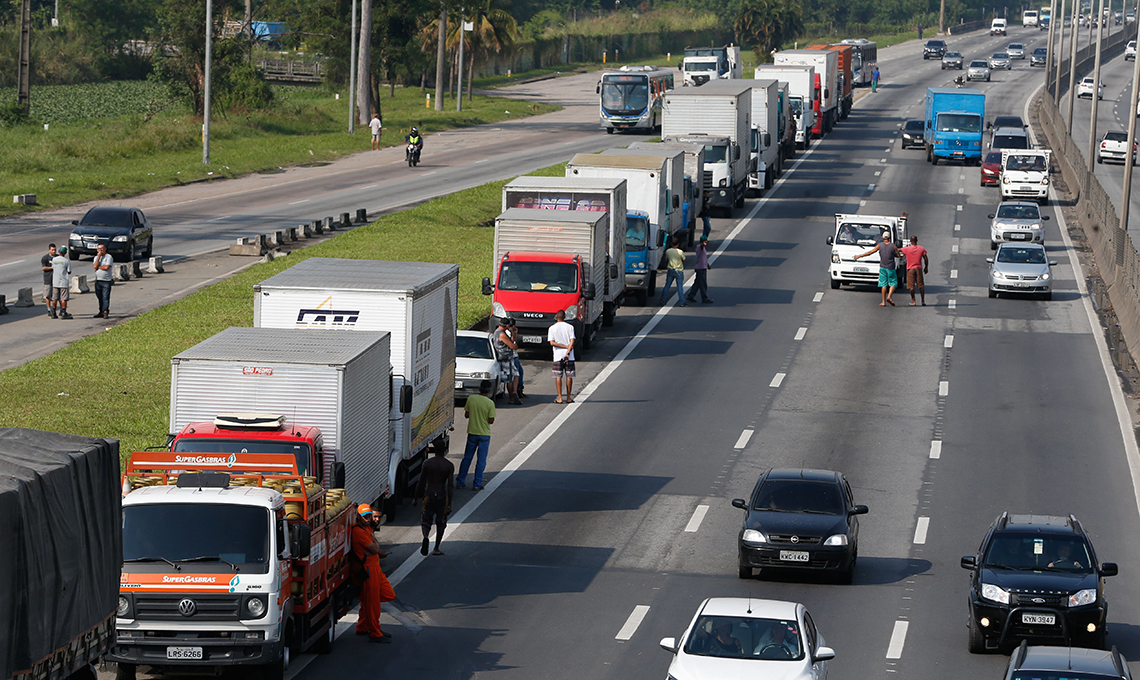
(45,264)
(437,486)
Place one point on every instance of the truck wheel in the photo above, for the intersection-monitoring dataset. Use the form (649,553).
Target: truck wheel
(87,672)
(125,671)
(325,644)
(642,297)
(934,159)
(609,131)
(739,203)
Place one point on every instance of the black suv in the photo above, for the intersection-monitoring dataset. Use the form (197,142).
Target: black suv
(1055,663)
(1036,577)
(934,48)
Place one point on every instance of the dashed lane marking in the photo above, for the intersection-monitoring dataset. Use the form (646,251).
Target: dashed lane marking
(742,440)
(957,227)
(631,624)
(898,639)
(959,208)
(953,273)
(818,297)
(862,203)
(936,449)
(948,342)
(878,172)
(920,530)
(696,519)
(777,380)
(801,333)
(943,388)
(954,248)
(952,303)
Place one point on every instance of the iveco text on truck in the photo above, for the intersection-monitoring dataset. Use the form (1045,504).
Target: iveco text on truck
(803,97)
(855,234)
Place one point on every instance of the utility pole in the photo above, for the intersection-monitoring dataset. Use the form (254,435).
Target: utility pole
(1073,62)
(1049,43)
(1095,100)
(462,25)
(942,19)
(206,100)
(352,75)
(1059,52)
(364,64)
(1123,228)
(440,56)
(24,77)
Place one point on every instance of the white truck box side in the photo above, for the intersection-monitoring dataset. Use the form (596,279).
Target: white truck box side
(765,112)
(826,63)
(645,180)
(694,165)
(721,108)
(801,84)
(674,180)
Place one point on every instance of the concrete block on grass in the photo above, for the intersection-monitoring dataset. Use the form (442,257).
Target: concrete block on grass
(344,222)
(24,199)
(276,238)
(305,230)
(290,234)
(316,226)
(24,298)
(79,284)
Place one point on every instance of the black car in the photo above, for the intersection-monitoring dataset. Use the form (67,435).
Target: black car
(934,48)
(912,134)
(125,231)
(1007,122)
(1055,663)
(1035,577)
(800,519)
(1037,58)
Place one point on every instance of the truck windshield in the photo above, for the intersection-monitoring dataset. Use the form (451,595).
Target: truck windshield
(755,140)
(959,122)
(187,531)
(700,65)
(636,233)
(854,234)
(299,450)
(716,154)
(1025,163)
(539,277)
(625,94)
(797,106)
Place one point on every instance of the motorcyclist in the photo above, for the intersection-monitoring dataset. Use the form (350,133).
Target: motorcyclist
(415,140)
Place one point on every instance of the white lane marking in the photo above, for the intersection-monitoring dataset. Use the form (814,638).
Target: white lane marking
(219,219)
(888,149)
(920,530)
(961,177)
(482,161)
(957,227)
(954,248)
(882,160)
(6,264)
(953,273)
(953,303)
(936,449)
(631,624)
(696,519)
(943,388)
(801,333)
(898,639)
(870,187)
(818,297)
(948,342)
(959,208)
(743,439)
(862,203)
(303,200)
(777,380)
(429,173)
(878,172)
(370,186)
(961,190)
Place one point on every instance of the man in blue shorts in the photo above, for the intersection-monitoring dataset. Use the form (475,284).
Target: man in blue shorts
(888,279)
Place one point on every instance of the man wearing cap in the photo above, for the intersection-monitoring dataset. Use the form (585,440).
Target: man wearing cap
(376,589)
(701,270)
(888,278)
(61,281)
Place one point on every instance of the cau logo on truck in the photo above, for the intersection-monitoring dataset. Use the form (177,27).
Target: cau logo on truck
(324,316)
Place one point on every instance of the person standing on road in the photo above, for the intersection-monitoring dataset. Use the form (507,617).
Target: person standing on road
(46,266)
(376,589)
(675,271)
(103,279)
(875,80)
(377,129)
(701,270)
(507,349)
(61,281)
(920,31)
(561,338)
(437,486)
(705,218)
(888,278)
(480,414)
(518,362)
(917,264)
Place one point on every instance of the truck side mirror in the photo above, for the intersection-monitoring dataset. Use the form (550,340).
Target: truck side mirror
(826,93)
(301,543)
(767,139)
(661,239)
(591,291)
(737,154)
(830,240)
(337,476)
(676,201)
(406,395)
(487,287)
(613,271)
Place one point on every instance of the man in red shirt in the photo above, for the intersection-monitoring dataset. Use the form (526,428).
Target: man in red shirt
(917,264)
(376,589)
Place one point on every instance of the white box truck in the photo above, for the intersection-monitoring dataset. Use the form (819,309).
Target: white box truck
(692,202)
(547,261)
(787,125)
(719,109)
(765,135)
(417,304)
(826,63)
(597,194)
(855,234)
(803,97)
(702,64)
(675,185)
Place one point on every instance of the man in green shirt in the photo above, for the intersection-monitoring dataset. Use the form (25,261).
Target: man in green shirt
(675,271)
(480,414)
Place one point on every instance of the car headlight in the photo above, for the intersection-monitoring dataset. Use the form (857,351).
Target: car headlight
(74,237)
(498,310)
(837,539)
(753,537)
(1045,276)
(572,312)
(124,607)
(121,238)
(1005,180)
(994,594)
(997,275)
(255,606)
(987,171)
(482,375)
(1044,180)
(1082,597)
(1035,226)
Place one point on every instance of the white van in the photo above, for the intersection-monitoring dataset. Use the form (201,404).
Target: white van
(997,27)
(1029,18)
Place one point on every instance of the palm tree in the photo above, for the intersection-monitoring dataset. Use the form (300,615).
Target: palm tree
(495,30)
(768,24)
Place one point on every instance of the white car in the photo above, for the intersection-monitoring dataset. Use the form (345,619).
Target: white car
(476,361)
(1114,147)
(1016,51)
(739,637)
(1130,51)
(1085,89)
(979,70)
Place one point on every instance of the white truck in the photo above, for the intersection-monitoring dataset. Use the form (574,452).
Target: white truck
(1025,174)
(719,115)
(674,183)
(801,97)
(765,135)
(597,194)
(702,64)
(787,125)
(855,234)
(1029,18)
(417,304)
(692,203)
(826,63)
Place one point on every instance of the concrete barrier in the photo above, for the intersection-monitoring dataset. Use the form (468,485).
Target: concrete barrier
(316,227)
(154,265)
(276,238)
(361,215)
(24,199)
(290,234)
(121,271)
(79,284)
(330,224)
(136,269)
(344,222)
(305,230)
(273,255)
(3,304)
(24,298)
(249,246)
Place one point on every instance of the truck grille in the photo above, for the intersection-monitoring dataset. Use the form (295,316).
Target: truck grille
(707,179)
(207,607)
(1030,600)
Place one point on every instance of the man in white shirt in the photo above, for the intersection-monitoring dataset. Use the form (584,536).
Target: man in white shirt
(561,337)
(103,279)
(377,128)
(61,282)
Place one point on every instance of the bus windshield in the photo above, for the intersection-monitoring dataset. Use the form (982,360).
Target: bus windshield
(625,94)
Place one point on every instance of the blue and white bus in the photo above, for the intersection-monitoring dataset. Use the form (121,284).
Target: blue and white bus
(631,97)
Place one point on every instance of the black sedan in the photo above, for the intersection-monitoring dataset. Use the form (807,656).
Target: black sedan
(912,134)
(800,519)
(125,231)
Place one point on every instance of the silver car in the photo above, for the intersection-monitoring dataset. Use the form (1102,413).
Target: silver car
(1021,268)
(979,70)
(952,60)
(1018,221)
(1016,51)
(1001,60)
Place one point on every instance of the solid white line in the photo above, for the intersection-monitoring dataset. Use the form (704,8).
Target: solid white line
(948,342)
(920,530)
(779,378)
(696,519)
(742,440)
(631,624)
(6,264)
(303,200)
(943,388)
(219,219)
(936,449)
(818,297)
(801,333)
(953,303)
(953,273)
(898,639)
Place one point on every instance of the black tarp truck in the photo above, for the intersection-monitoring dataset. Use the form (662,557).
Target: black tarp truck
(60,553)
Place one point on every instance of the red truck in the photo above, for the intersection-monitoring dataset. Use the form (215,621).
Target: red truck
(846,75)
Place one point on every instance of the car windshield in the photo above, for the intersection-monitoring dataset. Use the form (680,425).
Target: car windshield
(936,43)
(1021,255)
(192,531)
(913,126)
(636,232)
(1001,55)
(719,154)
(1010,142)
(1038,552)
(1087,81)
(1007,121)
(107,217)
(1040,52)
(799,495)
(959,122)
(1018,211)
(472,347)
(1016,46)
(1116,136)
(1025,163)
(300,451)
(993,157)
(539,277)
(852,234)
(797,106)
(952,55)
(978,63)
(739,637)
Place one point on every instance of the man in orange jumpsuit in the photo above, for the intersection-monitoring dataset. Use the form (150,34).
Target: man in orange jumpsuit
(376,589)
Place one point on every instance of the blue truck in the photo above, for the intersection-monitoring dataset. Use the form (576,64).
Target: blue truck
(954,124)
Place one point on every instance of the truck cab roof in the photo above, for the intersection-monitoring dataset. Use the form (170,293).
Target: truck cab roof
(524,256)
(233,495)
(208,430)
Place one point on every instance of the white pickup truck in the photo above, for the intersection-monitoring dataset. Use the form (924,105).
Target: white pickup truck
(1025,174)
(856,234)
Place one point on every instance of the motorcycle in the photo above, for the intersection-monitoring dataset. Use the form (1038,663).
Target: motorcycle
(412,155)
(960,81)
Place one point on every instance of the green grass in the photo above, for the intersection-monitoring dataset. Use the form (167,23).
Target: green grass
(117,384)
(114,157)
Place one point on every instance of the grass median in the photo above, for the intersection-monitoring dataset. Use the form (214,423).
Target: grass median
(117,384)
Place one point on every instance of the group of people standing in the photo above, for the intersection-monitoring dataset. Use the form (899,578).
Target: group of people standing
(56,266)
(917,266)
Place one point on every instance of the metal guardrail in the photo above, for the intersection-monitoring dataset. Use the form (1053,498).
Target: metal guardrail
(967,26)
(291,70)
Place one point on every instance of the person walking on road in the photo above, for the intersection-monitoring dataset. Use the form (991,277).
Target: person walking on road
(437,486)
(875,80)
(917,265)
(701,270)
(507,349)
(561,338)
(377,129)
(888,278)
(480,414)
(920,31)
(46,266)
(675,271)
(375,589)
(61,282)
(103,279)
(705,218)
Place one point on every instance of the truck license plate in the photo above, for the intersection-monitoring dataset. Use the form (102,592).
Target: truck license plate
(458,384)
(533,339)
(1038,619)
(181,653)
(794,556)
(862,269)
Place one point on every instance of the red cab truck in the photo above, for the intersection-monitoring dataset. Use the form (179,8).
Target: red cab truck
(846,75)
